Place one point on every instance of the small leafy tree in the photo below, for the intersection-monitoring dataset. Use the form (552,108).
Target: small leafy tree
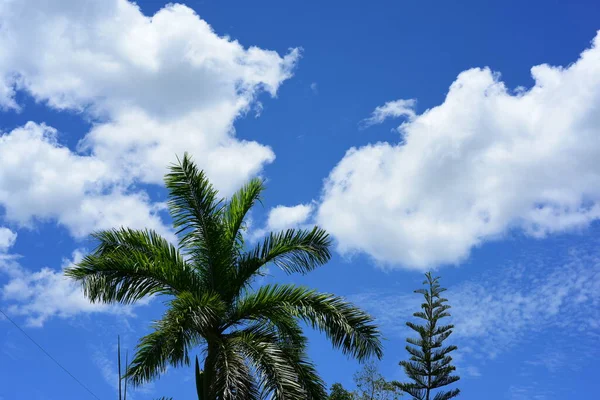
(429,366)
(371,385)
(338,392)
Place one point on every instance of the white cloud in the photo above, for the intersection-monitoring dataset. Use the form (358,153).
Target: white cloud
(314,88)
(47,293)
(80,192)
(7,239)
(154,87)
(283,217)
(391,109)
(484,162)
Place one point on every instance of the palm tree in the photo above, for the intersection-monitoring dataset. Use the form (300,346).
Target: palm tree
(251,339)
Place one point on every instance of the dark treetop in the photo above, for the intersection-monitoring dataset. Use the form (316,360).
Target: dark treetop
(429,366)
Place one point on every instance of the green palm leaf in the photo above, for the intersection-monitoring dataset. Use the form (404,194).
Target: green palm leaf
(237,209)
(348,327)
(128,265)
(260,345)
(187,322)
(251,341)
(299,251)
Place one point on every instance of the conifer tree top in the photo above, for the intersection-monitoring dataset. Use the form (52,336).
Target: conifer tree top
(429,366)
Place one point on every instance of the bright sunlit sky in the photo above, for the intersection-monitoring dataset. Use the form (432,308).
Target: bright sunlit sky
(455,136)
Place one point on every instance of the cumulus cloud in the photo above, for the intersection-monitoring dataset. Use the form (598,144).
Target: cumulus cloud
(284,217)
(153,87)
(46,293)
(486,161)
(39,179)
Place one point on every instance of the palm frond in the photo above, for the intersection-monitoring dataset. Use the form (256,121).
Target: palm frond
(254,343)
(308,377)
(233,379)
(184,325)
(292,250)
(237,209)
(198,218)
(130,264)
(348,327)
(278,378)
(195,209)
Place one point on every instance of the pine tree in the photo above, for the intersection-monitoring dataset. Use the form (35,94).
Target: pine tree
(429,366)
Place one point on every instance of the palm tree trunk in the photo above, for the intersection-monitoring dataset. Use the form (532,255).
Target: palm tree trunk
(209,372)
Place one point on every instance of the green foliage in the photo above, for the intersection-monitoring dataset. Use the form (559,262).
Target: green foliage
(337,392)
(251,340)
(371,385)
(429,366)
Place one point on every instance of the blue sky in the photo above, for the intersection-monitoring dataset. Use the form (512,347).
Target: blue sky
(423,135)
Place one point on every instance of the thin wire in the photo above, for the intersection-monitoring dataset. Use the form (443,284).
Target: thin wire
(48,354)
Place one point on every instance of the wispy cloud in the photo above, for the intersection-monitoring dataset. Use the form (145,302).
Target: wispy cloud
(391,109)
(551,360)
(107,365)
(533,391)
(494,313)
(46,293)
(391,310)
(506,308)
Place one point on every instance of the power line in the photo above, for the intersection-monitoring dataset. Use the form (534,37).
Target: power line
(48,354)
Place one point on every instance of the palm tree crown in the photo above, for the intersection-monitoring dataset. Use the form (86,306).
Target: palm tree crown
(251,340)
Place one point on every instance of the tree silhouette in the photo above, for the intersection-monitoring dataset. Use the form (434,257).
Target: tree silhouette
(429,366)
